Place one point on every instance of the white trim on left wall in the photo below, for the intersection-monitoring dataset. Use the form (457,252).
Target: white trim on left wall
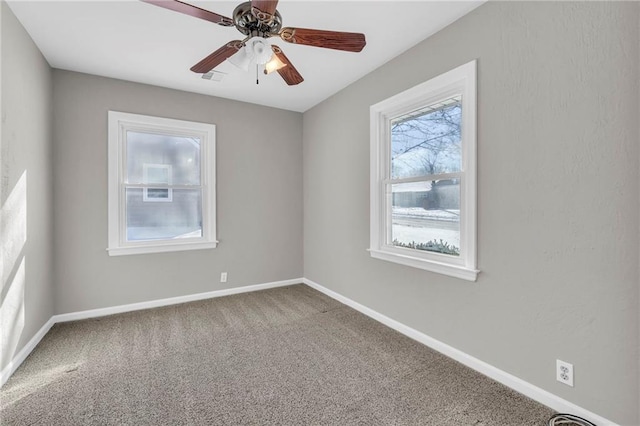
(19,358)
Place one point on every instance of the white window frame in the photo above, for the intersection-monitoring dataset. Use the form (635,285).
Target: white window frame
(119,124)
(459,81)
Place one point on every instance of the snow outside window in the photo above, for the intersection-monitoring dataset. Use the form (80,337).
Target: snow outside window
(161,184)
(423,189)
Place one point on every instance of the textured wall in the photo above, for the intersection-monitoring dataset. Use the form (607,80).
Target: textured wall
(259,196)
(25,189)
(557,196)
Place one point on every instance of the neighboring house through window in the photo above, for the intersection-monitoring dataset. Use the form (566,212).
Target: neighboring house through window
(157,174)
(423,177)
(161,184)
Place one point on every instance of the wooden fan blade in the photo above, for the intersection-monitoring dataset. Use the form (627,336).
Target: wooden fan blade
(217,57)
(289,74)
(264,10)
(194,11)
(351,42)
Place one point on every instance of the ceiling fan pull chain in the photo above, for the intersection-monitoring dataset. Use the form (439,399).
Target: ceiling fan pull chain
(257,78)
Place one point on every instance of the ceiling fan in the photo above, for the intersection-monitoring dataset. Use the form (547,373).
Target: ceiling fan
(259,20)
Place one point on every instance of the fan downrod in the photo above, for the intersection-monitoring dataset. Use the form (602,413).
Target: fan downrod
(252,22)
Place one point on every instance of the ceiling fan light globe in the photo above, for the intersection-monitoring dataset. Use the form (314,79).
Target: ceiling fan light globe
(274,65)
(260,49)
(242,59)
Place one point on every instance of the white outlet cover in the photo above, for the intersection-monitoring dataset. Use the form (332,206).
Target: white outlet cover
(564,372)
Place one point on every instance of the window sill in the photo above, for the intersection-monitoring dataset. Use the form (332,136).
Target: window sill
(161,248)
(428,265)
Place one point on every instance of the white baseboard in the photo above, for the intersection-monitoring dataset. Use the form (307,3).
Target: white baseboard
(537,394)
(94,313)
(19,358)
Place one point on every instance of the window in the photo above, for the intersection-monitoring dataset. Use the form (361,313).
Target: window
(423,177)
(161,184)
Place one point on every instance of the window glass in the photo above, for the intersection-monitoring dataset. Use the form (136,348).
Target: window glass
(181,153)
(181,218)
(426,216)
(158,194)
(427,141)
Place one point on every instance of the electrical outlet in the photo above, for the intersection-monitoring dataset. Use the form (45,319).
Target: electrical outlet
(564,372)
(223,277)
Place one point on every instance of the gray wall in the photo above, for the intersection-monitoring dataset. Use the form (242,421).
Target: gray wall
(558,110)
(558,189)
(25,189)
(259,196)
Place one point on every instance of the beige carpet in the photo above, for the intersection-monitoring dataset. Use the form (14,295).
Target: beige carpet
(289,355)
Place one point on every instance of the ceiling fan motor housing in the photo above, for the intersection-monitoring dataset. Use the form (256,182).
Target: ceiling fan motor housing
(255,23)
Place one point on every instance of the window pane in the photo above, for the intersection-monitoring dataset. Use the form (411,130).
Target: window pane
(157,173)
(148,219)
(158,193)
(426,216)
(427,141)
(154,158)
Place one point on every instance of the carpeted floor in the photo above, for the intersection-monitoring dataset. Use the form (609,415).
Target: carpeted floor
(288,355)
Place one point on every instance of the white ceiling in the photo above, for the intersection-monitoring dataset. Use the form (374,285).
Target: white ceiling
(136,41)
